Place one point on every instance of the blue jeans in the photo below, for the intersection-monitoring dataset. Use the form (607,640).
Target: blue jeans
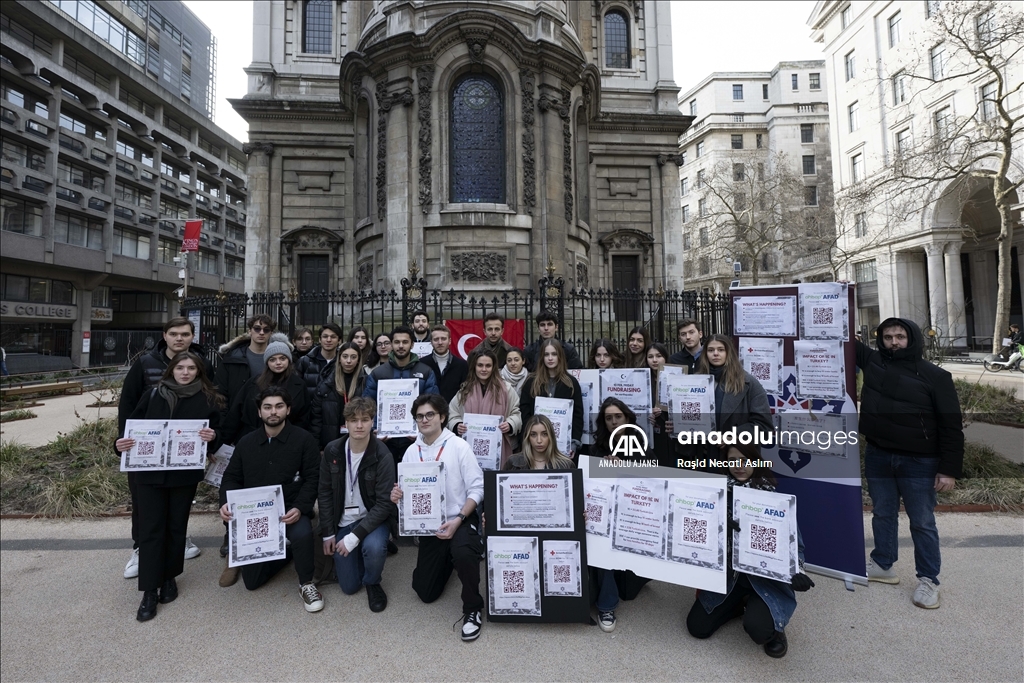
(891,476)
(607,590)
(364,565)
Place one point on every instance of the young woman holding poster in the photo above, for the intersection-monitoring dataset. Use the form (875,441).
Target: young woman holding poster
(740,400)
(604,354)
(540,451)
(485,393)
(552,380)
(244,415)
(657,356)
(766,605)
(636,348)
(165,497)
(327,414)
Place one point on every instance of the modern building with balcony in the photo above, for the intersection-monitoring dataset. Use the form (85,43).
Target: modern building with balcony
(108,145)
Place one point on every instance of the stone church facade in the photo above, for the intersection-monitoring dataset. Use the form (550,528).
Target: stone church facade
(475,143)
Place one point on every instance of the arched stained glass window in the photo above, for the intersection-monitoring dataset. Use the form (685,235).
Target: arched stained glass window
(316,26)
(477,158)
(616,40)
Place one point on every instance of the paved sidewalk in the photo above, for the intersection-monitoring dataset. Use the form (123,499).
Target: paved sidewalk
(57,414)
(1006,379)
(68,615)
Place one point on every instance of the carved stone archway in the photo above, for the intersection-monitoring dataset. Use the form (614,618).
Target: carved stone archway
(627,241)
(307,240)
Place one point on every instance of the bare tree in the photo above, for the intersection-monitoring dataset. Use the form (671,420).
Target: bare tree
(964,45)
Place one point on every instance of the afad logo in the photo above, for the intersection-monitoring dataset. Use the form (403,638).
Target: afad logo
(629,441)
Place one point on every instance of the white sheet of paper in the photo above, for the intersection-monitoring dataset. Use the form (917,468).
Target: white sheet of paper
(148,452)
(559,411)
(218,463)
(815,433)
(762,358)
(535,501)
(664,378)
(185,450)
(394,404)
(256,532)
(421,511)
(764,316)
(691,402)
(590,384)
(562,571)
(824,310)
(820,369)
(513,575)
(697,519)
(766,544)
(638,522)
(632,386)
(598,497)
(422,349)
(484,438)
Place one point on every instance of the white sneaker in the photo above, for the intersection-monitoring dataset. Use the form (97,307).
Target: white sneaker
(876,573)
(191,549)
(131,570)
(314,602)
(926,594)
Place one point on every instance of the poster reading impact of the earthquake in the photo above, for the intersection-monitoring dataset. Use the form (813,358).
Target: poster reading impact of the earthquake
(590,385)
(762,358)
(562,571)
(766,544)
(638,523)
(394,407)
(764,316)
(824,310)
(696,525)
(820,369)
(513,576)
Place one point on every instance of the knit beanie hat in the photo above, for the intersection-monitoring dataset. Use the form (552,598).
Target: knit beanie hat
(278,344)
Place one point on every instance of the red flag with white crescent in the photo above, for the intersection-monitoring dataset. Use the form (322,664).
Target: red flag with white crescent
(466,334)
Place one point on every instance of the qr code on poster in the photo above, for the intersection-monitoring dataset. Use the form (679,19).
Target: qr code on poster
(695,530)
(690,410)
(481,447)
(558,429)
(147,447)
(593,513)
(821,316)
(761,371)
(512,581)
(186,449)
(763,539)
(562,573)
(396,412)
(257,528)
(421,504)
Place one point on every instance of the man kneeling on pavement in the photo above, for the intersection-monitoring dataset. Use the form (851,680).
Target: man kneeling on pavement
(282,455)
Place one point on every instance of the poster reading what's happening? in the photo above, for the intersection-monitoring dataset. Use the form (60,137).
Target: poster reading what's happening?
(764,316)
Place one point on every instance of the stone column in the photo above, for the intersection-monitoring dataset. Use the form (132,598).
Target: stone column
(956,305)
(984,285)
(554,210)
(671,222)
(257,220)
(80,327)
(937,289)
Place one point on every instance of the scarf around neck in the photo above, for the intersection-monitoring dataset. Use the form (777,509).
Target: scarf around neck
(490,403)
(515,380)
(171,391)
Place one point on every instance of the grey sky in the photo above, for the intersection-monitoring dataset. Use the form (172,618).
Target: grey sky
(709,36)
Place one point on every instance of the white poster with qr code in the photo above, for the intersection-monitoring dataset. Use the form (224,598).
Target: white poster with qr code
(696,521)
(484,438)
(559,411)
(590,384)
(691,402)
(597,501)
(421,511)
(824,310)
(766,543)
(820,369)
(164,445)
(185,450)
(562,575)
(218,465)
(394,407)
(256,532)
(513,576)
(762,358)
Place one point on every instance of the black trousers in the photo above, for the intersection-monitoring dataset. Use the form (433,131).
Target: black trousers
(162,528)
(301,550)
(742,601)
(133,488)
(437,558)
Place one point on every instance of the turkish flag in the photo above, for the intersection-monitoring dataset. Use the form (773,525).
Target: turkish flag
(466,334)
(192,230)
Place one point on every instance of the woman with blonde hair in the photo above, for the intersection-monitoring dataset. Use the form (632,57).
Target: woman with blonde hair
(485,393)
(540,448)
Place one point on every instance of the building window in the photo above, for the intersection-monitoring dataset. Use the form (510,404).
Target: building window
(944,122)
(853,116)
(894,30)
(700,149)
(740,201)
(36,290)
(208,262)
(25,100)
(700,178)
(760,172)
(686,216)
(316,27)
(846,16)
(988,101)
(931,8)
(702,211)
(131,244)
(737,118)
(899,88)
(737,141)
(809,167)
(806,132)
(814,81)
(759,140)
(865,271)
(811,195)
(21,217)
(939,59)
(687,243)
(902,142)
(79,175)
(683,153)
(985,23)
(131,194)
(167,251)
(764,91)
(860,225)
(477,157)
(857,167)
(234,268)
(737,91)
(23,155)
(705,265)
(684,187)
(850,65)
(738,172)
(72,229)
(693,107)
(796,81)
(616,40)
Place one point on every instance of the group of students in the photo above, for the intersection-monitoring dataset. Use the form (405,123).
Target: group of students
(302,416)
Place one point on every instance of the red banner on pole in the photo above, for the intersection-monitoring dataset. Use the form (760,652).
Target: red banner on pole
(192,231)
(466,334)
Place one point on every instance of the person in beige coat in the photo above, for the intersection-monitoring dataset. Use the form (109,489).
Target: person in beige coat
(484,392)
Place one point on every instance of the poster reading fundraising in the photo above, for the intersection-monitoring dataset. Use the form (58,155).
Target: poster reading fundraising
(639,520)
(766,544)
(632,386)
(762,358)
(696,525)
(824,309)
(513,576)
(820,369)
(764,316)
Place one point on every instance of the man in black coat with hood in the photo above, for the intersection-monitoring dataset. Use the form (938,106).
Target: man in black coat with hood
(910,416)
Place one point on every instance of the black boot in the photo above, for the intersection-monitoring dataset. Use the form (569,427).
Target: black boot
(777,646)
(147,610)
(168,592)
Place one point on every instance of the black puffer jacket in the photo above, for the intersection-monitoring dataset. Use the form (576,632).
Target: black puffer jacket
(233,369)
(144,375)
(376,479)
(314,368)
(327,413)
(908,405)
(244,415)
